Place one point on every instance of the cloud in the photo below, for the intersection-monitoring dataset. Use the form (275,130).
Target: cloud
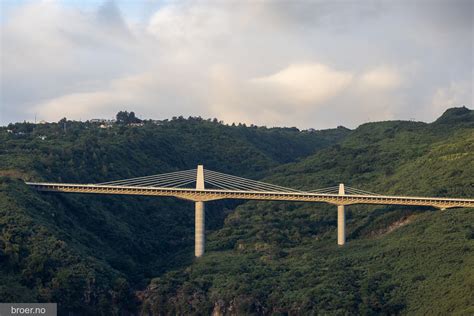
(456,94)
(304,84)
(299,91)
(180,24)
(381,78)
(49,50)
(307,64)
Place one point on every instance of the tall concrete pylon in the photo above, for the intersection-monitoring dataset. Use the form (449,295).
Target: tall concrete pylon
(199,219)
(341,220)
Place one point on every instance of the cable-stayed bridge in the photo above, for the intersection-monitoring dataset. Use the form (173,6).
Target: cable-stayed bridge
(201,185)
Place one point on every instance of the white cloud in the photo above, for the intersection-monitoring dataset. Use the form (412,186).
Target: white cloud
(381,78)
(183,24)
(305,84)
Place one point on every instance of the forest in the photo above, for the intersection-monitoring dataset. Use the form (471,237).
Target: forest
(113,255)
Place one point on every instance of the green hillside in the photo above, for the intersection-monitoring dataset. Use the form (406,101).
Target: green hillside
(282,258)
(105,254)
(89,253)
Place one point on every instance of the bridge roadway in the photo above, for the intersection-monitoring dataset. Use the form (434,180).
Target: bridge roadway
(214,194)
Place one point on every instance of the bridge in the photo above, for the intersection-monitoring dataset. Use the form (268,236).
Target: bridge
(201,185)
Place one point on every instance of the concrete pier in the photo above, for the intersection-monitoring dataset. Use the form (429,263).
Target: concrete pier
(341,220)
(199,242)
(199,217)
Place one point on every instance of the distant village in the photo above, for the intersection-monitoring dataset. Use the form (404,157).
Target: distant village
(107,123)
(123,118)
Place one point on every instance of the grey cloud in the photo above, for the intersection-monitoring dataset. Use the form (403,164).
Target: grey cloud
(110,18)
(204,58)
(455,15)
(49,53)
(332,14)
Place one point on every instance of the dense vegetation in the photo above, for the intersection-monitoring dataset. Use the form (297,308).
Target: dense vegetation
(91,253)
(86,252)
(279,258)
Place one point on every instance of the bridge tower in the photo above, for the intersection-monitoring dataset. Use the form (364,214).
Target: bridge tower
(341,220)
(199,219)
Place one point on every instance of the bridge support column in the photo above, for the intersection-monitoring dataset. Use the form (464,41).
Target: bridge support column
(341,220)
(199,229)
(199,217)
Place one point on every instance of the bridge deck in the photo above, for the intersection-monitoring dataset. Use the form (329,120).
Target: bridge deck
(212,194)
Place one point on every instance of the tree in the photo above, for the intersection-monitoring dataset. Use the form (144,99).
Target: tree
(124,117)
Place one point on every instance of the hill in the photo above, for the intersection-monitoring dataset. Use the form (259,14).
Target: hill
(105,254)
(282,258)
(90,253)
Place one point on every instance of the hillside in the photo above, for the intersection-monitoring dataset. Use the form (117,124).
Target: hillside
(282,258)
(89,253)
(103,254)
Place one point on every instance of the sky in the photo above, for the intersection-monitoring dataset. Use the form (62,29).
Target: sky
(310,64)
